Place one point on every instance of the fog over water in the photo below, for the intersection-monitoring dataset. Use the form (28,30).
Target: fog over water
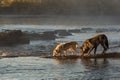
(59,20)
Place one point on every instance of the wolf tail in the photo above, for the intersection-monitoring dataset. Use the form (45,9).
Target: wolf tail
(106,42)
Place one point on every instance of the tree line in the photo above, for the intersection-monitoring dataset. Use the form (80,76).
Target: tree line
(64,7)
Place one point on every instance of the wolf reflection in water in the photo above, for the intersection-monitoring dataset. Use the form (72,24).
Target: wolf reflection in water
(94,62)
(86,62)
(66,61)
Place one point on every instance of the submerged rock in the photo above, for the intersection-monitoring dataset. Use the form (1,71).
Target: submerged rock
(74,31)
(48,35)
(10,37)
(106,55)
(62,32)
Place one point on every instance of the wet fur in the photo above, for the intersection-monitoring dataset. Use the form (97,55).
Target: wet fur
(62,48)
(93,43)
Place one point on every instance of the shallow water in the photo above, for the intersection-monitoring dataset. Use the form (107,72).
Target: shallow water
(35,68)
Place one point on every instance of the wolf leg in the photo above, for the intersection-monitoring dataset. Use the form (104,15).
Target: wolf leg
(104,50)
(65,53)
(90,50)
(95,50)
(104,47)
(73,51)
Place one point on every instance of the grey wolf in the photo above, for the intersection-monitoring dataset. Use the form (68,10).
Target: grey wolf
(62,48)
(93,43)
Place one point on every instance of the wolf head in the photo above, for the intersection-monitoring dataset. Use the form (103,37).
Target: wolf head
(56,52)
(58,49)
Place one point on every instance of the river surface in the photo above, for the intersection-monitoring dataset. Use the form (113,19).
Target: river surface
(36,47)
(36,68)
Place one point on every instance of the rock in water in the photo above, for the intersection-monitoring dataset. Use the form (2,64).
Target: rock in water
(13,37)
